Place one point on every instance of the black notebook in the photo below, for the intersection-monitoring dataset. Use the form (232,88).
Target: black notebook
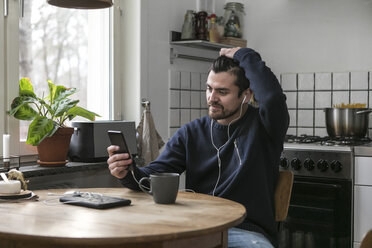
(94,200)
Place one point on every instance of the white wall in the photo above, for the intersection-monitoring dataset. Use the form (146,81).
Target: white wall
(127,86)
(162,16)
(291,35)
(311,36)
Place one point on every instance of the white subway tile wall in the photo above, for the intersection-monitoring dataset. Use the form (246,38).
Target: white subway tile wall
(187,100)
(341,97)
(323,81)
(309,93)
(359,80)
(359,96)
(292,117)
(341,81)
(195,81)
(185,116)
(306,99)
(174,117)
(289,81)
(174,98)
(323,99)
(306,81)
(185,80)
(319,118)
(195,99)
(305,118)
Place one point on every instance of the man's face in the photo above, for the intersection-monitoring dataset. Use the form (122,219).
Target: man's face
(222,97)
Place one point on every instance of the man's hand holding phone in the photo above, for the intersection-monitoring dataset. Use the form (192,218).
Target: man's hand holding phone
(118,162)
(120,159)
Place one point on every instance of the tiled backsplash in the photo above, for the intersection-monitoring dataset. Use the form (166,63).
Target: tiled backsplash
(187,100)
(309,93)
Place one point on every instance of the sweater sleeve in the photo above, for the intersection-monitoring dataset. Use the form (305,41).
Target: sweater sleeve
(172,159)
(268,92)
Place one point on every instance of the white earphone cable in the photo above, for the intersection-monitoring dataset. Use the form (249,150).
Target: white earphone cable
(228,138)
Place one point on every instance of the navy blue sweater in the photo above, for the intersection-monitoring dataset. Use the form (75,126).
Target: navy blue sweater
(249,160)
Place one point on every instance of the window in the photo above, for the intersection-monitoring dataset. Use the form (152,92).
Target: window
(70,47)
(76,52)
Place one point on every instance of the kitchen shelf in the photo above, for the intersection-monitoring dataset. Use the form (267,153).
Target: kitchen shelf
(200,44)
(203,44)
(175,39)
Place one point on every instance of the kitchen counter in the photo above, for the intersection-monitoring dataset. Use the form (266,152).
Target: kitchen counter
(363,150)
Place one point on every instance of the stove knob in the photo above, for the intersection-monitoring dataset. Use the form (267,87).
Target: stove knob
(284,163)
(296,164)
(309,164)
(322,165)
(336,166)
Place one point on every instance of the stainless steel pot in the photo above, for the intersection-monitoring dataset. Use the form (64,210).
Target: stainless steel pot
(347,122)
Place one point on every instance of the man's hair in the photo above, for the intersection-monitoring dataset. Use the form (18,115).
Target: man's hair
(225,64)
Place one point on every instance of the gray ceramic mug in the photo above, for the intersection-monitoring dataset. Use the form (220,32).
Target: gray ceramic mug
(163,187)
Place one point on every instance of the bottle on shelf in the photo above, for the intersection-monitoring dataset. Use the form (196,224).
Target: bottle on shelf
(201,28)
(213,31)
(188,31)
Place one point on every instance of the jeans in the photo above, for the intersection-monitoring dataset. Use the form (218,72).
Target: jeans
(240,238)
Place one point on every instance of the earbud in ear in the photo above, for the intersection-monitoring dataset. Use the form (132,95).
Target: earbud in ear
(245,97)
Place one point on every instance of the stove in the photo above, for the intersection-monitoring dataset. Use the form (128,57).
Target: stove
(320,212)
(327,141)
(314,156)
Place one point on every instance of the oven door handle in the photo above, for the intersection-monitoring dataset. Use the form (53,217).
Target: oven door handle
(323,185)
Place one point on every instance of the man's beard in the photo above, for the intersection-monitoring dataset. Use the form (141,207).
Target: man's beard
(222,114)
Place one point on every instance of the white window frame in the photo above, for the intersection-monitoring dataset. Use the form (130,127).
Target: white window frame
(2,72)
(10,69)
(9,72)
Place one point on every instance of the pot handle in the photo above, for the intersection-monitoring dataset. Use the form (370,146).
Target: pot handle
(363,112)
(76,130)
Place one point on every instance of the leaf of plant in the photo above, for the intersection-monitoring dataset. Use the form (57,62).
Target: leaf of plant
(26,88)
(55,128)
(62,92)
(52,90)
(58,92)
(73,112)
(25,112)
(62,106)
(19,100)
(38,130)
(44,104)
(21,109)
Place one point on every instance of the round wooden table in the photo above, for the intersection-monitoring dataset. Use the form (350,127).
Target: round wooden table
(195,220)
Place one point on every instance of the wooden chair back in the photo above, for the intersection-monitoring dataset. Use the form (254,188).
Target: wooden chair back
(283,195)
(367,240)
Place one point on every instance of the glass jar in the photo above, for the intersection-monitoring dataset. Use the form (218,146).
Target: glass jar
(234,19)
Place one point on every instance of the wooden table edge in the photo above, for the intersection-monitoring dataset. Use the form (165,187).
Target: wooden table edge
(124,240)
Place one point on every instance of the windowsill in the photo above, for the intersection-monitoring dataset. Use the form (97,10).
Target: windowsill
(35,170)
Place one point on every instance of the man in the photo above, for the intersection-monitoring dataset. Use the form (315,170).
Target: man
(233,152)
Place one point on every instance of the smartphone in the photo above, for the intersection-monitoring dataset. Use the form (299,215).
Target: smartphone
(117,139)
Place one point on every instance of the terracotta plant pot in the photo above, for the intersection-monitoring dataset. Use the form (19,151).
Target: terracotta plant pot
(53,150)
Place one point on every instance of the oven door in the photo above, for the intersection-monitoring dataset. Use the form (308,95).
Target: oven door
(319,214)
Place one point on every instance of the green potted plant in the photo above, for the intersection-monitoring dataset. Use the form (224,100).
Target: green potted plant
(48,115)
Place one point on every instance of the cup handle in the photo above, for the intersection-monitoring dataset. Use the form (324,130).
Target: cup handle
(142,187)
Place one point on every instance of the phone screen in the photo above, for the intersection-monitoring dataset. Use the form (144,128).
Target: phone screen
(117,139)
